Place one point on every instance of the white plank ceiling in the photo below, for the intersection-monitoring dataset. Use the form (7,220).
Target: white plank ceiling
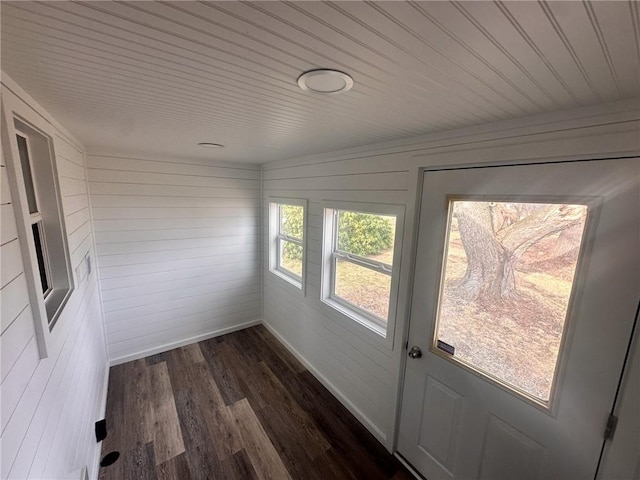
(155,78)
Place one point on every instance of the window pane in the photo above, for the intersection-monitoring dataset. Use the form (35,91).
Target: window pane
(367,235)
(508,278)
(26,173)
(291,221)
(42,265)
(363,287)
(290,256)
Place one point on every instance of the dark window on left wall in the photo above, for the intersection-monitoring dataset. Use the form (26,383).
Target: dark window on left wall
(44,218)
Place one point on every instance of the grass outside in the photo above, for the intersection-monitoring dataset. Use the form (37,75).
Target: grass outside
(293,265)
(361,286)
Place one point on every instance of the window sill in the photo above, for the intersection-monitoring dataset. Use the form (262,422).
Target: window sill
(356,317)
(291,281)
(54,304)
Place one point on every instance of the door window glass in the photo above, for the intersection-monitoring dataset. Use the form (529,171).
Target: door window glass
(508,275)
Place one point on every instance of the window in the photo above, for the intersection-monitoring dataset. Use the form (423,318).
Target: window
(359,277)
(43,213)
(508,274)
(43,260)
(287,223)
(35,216)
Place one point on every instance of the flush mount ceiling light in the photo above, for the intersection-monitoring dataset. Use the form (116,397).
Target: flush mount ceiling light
(328,82)
(210,145)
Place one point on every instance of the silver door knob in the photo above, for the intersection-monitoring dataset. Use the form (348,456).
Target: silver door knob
(415,352)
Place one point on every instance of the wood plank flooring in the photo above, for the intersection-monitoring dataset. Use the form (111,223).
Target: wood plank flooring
(238,406)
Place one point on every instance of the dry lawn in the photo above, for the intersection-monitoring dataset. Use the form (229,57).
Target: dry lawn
(516,340)
(362,287)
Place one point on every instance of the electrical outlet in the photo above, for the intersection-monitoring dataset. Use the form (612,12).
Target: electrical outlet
(101,430)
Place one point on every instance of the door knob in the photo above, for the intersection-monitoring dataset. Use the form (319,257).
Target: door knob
(415,352)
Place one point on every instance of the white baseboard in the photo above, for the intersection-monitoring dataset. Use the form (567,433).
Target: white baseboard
(181,343)
(355,411)
(81,474)
(95,466)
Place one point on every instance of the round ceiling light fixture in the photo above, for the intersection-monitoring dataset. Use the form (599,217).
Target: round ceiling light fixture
(210,145)
(328,82)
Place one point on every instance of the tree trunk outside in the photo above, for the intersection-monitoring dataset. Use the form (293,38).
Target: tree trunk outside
(493,256)
(489,274)
(545,221)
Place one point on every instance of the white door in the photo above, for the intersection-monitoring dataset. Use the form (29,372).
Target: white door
(526,285)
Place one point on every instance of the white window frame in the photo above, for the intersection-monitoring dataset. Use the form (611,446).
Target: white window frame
(47,312)
(330,254)
(276,237)
(35,218)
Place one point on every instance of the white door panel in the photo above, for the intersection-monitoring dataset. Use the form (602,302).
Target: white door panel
(461,417)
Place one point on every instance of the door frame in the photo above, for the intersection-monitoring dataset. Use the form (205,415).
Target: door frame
(417,192)
(633,349)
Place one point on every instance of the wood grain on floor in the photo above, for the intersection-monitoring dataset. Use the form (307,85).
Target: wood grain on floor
(240,407)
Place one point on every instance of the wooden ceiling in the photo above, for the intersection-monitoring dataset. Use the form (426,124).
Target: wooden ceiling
(155,78)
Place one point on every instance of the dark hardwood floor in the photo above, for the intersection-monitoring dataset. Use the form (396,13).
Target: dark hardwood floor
(238,406)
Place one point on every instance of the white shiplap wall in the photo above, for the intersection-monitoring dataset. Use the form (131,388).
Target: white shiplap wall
(49,405)
(178,250)
(352,361)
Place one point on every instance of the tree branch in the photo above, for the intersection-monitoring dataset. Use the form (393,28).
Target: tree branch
(518,237)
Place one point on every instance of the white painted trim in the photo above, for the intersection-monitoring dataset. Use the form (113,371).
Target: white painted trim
(181,343)
(95,466)
(368,424)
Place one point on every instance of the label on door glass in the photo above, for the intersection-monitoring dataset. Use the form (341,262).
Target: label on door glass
(450,349)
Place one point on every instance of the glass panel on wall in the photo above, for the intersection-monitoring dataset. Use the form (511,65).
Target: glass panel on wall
(507,282)
(291,221)
(23,149)
(291,257)
(367,235)
(363,287)
(43,266)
